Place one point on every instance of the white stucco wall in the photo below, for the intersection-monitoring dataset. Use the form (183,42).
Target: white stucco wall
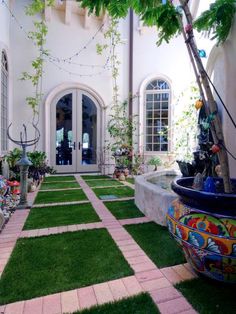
(230,50)
(62,41)
(5,45)
(4,24)
(222,64)
(170,61)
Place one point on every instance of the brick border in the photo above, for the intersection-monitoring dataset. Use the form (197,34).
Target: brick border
(147,278)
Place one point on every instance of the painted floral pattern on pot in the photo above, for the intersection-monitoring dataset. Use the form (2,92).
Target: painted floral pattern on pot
(208,241)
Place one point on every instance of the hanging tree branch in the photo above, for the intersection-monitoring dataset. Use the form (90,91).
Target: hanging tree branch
(165,16)
(217,129)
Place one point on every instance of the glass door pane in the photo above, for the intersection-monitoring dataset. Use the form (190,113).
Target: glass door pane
(64,136)
(89,131)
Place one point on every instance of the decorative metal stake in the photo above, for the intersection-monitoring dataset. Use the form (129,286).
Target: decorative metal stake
(24,162)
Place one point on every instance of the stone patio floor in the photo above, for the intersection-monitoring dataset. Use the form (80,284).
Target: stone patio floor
(147,276)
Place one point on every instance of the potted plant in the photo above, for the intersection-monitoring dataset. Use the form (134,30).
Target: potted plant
(37,170)
(155,161)
(121,129)
(39,166)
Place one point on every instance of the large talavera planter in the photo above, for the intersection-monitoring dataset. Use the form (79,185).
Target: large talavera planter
(204,224)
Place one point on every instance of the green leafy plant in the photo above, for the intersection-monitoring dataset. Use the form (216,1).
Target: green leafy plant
(38,168)
(155,161)
(138,164)
(186,124)
(120,127)
(217,20)
(12,157)
(39,165)
(35,8)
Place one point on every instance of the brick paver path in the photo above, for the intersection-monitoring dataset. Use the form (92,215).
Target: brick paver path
(147,277)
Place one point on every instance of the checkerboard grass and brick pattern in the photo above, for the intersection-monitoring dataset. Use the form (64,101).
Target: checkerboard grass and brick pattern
(145,277)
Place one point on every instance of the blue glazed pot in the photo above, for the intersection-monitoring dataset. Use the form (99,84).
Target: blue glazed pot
(204,224)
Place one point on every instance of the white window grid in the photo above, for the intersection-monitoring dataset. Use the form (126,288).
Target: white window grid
(4,103)
(157,101)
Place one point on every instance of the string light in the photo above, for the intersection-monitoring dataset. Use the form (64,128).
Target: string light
(76,74)
(54,59)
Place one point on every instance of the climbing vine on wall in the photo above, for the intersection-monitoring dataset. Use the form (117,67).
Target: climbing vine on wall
(38,37)
(186,124)
(114,38)
(120,127)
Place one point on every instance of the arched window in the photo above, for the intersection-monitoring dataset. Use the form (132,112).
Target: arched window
(157,104)
(4,102)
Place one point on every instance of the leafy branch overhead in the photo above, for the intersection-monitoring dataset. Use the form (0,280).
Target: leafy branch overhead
(152,13)
(217,20)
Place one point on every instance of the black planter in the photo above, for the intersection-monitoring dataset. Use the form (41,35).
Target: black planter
(204,224)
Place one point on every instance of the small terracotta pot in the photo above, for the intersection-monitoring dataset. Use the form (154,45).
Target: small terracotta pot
(122,177)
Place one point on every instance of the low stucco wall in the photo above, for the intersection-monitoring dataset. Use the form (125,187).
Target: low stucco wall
(151,199)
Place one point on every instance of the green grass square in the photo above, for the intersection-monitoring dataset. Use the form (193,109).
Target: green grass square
(157,243)
(59,185)
(61,215)
(94,177)
(102,182)
(209,296)
(59,179)
(123,191)
(124,209)
(45,265)
(140,304)
(60,196)
(130,180)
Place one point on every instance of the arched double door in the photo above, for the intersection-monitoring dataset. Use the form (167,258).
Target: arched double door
(75,132)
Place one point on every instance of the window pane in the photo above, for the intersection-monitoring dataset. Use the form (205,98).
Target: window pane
(165,96)
(148,139)
(156,147)
(164,122)
(149,122)
(150,87)
(149,147)
(149,114)
(89,130)
(164,113)
(149,97)
(64,131)
(164,147)
(156,114)
(164,105)
(156,139)
(157,111)
(157,97)
(156,105)
(149,105)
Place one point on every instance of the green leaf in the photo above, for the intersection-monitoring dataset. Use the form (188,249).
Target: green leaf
(218,20)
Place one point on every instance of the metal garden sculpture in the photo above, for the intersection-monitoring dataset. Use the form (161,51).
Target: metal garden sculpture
(24,162)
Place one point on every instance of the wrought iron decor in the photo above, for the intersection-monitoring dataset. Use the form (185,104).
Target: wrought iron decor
(24,162)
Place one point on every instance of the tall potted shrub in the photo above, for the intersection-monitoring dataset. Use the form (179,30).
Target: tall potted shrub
(203,222)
